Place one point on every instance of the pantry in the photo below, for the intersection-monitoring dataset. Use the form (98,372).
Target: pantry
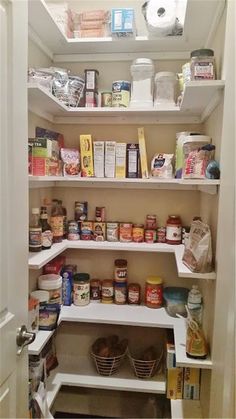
(204,107)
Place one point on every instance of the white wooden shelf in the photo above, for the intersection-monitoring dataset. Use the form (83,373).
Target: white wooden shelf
(38,260)
(199,100)
(42,337)
(205,185)
(84,374)
(52,40)
(185,409)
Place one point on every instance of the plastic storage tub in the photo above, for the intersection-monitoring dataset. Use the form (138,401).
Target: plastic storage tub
(164,95)
(142,72)
(53,284)
(176,300)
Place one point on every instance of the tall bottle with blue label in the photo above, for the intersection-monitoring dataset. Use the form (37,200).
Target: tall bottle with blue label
(195,304)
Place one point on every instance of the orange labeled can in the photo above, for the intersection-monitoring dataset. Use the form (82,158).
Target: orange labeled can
(154,292)
(138,233)
(126,232)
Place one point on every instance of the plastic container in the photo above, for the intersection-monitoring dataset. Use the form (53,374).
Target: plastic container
(53,284)
(81,289)
(176,300)
(195,304)
(142,72)
(42,296)
(164,92)
(202,65)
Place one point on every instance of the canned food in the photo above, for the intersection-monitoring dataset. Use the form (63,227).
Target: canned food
(150,236)
(81,211)
(95,291)
(121,93)
(138,233)
(120,292)
(100,214)
(126,232)
(161,235)
(112,232)
(121,271)
(73,230)
(106,99)
(86,230)
(99,231)
(134,294)
(154,292)
(107,291)
(81,288)
(151,222)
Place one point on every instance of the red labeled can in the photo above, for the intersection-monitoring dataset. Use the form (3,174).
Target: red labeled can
(150,236)
(154,292)
(161,235)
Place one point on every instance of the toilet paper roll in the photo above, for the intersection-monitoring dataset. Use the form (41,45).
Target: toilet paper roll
(161,16)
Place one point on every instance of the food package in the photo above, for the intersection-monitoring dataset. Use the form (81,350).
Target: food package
(120,160)
(196,162)
(41,76)
(52,135)
(71,162)
(198,252)
(143,153)
(55,265)
(67,88)
(99,158)
(174,383)
(110,158)
(191,383)
(44,157)
(161,166)
(132,160)
(122,22)
(86,150)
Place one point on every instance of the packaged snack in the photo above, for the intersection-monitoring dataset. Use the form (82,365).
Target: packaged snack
(110,158)
(71,161)
(99,156)
(55,265)
(120,160)
(86,151)
(161,166)
(196,162)
(48,316)
(41,76)
(185,143)
(132,167)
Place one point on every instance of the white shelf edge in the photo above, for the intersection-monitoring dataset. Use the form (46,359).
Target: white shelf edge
(42,337)
(185,409)
(38,260)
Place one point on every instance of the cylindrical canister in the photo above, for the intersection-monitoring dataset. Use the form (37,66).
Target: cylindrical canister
(154,292)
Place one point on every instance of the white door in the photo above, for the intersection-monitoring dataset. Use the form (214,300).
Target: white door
(13,206)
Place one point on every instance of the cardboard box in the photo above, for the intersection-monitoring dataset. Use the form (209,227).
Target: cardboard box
(120,160)
(174,383)
(143,153)
(132,167)
(99,158)
(110,158)
(191,383)
(86,151)
(122,21)
(170,355)
(42,147)
(99,231)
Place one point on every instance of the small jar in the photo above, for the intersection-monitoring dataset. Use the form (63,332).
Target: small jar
(151,222)
(126,232)
(121,271)
(150,236)
(154,292)
(95,291)
(138,233)
(134,294)
(73,230)
(120,292)
(202,65)
(174,230)
(81,288)
(107,291)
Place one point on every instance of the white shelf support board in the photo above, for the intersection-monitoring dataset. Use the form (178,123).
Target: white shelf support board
(42,337)
(185,409)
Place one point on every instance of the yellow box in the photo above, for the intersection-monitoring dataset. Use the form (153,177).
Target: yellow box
(86,151)
(191,383)
(174,383)
(143,153)
(120,160)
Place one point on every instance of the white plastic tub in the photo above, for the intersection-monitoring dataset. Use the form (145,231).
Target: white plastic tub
(142,72)
(53,284)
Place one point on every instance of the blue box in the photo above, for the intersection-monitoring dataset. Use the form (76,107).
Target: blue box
(122,21)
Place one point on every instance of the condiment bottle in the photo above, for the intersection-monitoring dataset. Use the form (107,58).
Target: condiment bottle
(134,294)
(56,221)
(95,291)
(46,229)
(121,271)
(107,291)
(35,232)
(154,292)
(174,230)
(194,304)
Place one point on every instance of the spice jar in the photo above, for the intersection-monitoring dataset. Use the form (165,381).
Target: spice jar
(134,294)
(138,233)
(81,288)
(202,65)
(107,291)
(174,230)
(154,292)
(121,271)
(95,291)
(120,292)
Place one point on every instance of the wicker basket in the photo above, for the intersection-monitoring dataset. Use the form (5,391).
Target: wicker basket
(107,366)
(145,369)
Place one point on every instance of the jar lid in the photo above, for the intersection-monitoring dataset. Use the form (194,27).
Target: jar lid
(49,281)
(121,262)
(107,282)
(176,293)
(83,276)
(202,53)
(141,61)
(163,74)
(95,282)
(154,280)
(35,211)
(174,217)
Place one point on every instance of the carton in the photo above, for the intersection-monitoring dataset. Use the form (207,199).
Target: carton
(174,383)
(143,153)
(120,160)
(110,158)
(191,383)
(170,355)
(99,157)
(86,151)
(132,168)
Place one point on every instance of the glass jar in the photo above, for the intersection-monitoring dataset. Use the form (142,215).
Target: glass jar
(81,289)
(154,292)
(134,294)
(165,83)
(121,271)
(202,65)
(174,230)
(107,291)
(95,291)
(120,292)
(151,222)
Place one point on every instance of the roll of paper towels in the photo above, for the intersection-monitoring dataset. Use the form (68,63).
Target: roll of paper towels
(161,16)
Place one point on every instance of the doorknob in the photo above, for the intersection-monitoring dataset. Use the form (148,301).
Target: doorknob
(23,338)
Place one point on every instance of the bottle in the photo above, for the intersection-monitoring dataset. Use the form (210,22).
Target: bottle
(194,304)
(35,232)
(64,219)
(47,236)
(150,409)
(196,345)
(57,221)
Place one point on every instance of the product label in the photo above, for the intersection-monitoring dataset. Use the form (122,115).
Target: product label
(133,297)
(174,233)
(154,295)
(107,291)
(35,237)
(120,273)
(204,70)
(112,232)
(57,226)
(55,296)
(120,295)
(126,233)
(81,294)
(47,238)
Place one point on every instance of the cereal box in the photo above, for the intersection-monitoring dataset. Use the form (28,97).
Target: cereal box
(86,151)
(99,157)
(174,383)
(120,160)
(110,158)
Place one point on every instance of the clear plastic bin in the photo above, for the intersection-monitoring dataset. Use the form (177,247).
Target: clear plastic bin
(165,85)
(142,72)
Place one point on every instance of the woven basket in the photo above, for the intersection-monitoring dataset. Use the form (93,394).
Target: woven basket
(107,366)
(145,369)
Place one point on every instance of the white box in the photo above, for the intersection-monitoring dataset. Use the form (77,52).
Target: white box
(110,159)
(120,160)
(99,157)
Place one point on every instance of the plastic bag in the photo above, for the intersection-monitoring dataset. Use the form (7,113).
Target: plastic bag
(161,166)
(71,162)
